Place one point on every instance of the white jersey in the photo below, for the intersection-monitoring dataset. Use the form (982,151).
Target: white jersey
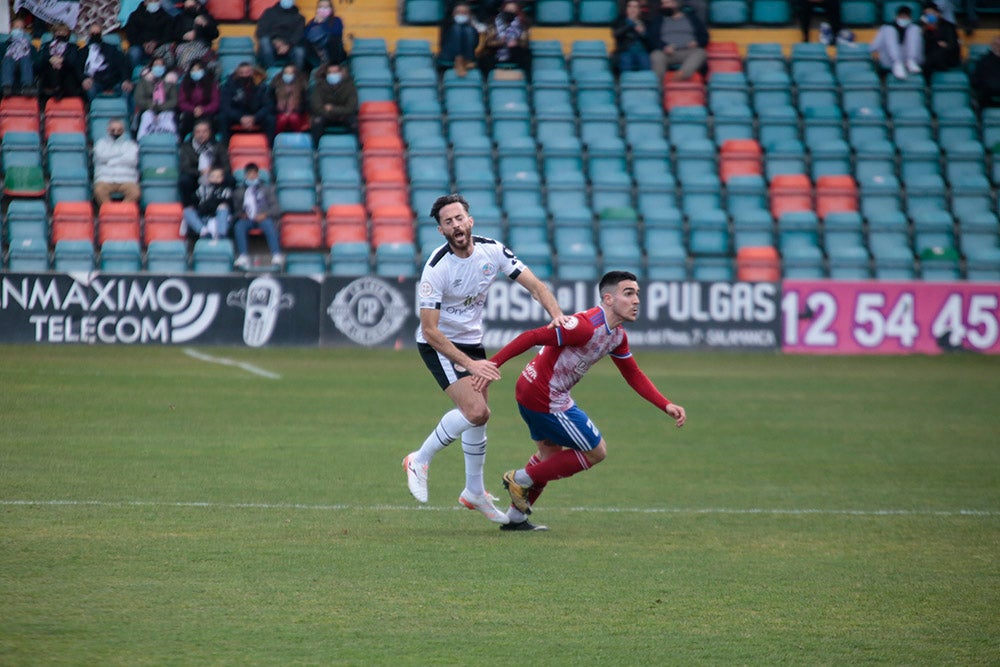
(457,287)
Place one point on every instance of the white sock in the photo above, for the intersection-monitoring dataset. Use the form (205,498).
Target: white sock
(521,477)
(474,447)
(447,431)
(515,515)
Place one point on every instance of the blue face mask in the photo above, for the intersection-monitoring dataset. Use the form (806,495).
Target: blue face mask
(461,19)
(153,7)
(334,79)
(197,74)
(287,77)
(931,19)
(287,4)
(16,33)
(251,182)
(158,70)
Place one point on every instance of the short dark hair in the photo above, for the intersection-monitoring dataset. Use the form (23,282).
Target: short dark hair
(250,166)
(612,278)
(444,200)
(904,10)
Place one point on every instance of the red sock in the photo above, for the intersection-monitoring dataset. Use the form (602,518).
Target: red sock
(536,489)
(565,463)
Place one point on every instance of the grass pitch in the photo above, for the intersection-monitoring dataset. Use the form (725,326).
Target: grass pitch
(161,509)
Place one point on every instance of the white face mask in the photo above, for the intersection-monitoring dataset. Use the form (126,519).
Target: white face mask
(902,23)
(153,7)
(461,19)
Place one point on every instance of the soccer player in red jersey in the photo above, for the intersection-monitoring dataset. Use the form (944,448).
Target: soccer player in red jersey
(567,441)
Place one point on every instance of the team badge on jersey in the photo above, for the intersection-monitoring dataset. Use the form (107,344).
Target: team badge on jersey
(489,268)
(571,323)
(426,289)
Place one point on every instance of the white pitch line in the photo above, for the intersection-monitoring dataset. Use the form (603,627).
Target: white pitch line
(434,508)
(249,368)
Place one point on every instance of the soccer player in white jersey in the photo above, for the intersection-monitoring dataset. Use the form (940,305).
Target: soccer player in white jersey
(567,441)
(451,296)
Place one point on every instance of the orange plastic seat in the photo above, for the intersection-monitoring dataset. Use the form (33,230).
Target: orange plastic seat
(72,221)
(301,231)
(739,157)
(384,169)
(247,148)
(836,194)
(118,221)
(65,124)
(758,264)
(683,94)
(346,223)
(382,195)
(790,192)
(162,222)
(227,10)
(256,7)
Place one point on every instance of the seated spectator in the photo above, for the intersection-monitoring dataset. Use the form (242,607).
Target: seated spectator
(116,165)
(150,32)
(899,45)
(290,93)
(105,67)
(257,204)
(156,100)
(941,48)
(194,30)
(324,36)
(985,78)
(17,69)
(60,67)
(333,101)
(198,156)
(677,39)
(243,104)
(208,214)
(280,33)
(458,40)
(197,98)
(508,40)
(831,19)
(631,45)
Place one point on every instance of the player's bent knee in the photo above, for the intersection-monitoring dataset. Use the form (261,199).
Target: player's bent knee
(478,416)
(596,455)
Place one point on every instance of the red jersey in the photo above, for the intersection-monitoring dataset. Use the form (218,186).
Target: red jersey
(569,352)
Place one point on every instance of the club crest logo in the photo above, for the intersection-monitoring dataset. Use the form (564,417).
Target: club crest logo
(369,311)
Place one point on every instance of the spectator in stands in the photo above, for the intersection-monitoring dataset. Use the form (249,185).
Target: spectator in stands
(116,165)
(458,40)
(899,45)
(985,78)
(290,94)
(198,156)
(508,40)
(243,103)
(210,211)
(156,99)
(830,27)
(257,204)
(280,34)
(17,69)
(197,97)
(677,38)
(60,66)
(631,45)
(333,101)
(324,36)
(194,30)
(105,67)
(150,32)
(941,48)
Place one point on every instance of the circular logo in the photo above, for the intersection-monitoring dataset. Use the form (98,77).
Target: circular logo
(571,323)
(489,268)
(368,311)
(426,289)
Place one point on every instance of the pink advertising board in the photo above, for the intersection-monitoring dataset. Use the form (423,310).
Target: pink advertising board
(841,317)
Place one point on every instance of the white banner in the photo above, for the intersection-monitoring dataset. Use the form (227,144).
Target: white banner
(51,11)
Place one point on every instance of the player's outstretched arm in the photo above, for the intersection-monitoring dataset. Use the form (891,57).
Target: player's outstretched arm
(544,296)
(643,386)
(677,412)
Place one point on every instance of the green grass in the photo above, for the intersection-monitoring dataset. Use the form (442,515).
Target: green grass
(160,510)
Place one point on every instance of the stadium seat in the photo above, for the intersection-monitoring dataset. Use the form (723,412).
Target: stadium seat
(729,12)
(118,220)
(72,221)
(212,256)
(121,256)
(396,260)
(301,231)
(28,255)
(228,10)
(350,259)
(423,12)
(770,12)
(739,157)
(249,147)
(73,255)
(758,264)
(790,192)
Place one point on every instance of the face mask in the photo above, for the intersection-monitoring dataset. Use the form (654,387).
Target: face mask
(16,32)
(931,19)
(509,16)
(95,39)
(902,23)
(323,13)
(153,7)
(461,19)
(158,70)
(287,4)
(287,78)
(60,38)
(334,79)
(115,135)
(251,182)
(668,11)
(197,74)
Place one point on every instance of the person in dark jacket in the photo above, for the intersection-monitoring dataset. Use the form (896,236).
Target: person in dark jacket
(333,101)
(986,76)
(280,33)
(941,48)
(677,38)
(197,98)
(148,29)
(631,40)
(210,212)
(60,67)
(244,105)
(105,67)
(198,156)
(324,36)
(458,40)
(194,30)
